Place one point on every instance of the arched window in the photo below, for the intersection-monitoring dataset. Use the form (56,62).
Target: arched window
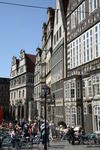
(96,111)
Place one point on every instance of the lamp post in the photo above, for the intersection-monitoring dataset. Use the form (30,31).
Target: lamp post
(45,91)
(82,107)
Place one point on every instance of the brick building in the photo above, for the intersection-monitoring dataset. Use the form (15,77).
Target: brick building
(4,96)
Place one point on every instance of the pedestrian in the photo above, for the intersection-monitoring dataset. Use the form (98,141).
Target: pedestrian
(43,134)
(68,135)
(81,136)
(72,136)
(13,137)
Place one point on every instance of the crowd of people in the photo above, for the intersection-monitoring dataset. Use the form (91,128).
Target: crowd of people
(29,131)
(80,137)
(34,131)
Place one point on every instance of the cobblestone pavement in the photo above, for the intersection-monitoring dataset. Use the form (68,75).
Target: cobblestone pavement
(63,145)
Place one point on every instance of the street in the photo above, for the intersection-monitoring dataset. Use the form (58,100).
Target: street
(63,145)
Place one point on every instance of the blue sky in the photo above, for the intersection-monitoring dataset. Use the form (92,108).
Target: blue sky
(20,27)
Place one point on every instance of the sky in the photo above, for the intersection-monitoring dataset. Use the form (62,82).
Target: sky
(20,28)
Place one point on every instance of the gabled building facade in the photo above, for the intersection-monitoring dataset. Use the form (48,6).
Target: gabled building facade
(82,85)
(37,85)
(22,87)
(44,58)
(57,62)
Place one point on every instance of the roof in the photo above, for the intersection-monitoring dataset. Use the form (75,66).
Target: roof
(30,62)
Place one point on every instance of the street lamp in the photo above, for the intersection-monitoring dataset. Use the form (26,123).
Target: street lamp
(44,93)
(45,90)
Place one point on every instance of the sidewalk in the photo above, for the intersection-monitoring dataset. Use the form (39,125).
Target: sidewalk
(59,145)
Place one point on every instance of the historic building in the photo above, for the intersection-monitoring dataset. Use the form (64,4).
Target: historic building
(48,45)
(37,85)
(57,61)
(5,96)
(22,87)
(43,65)
(82,85)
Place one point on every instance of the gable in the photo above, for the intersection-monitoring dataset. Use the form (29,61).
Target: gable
(58,32)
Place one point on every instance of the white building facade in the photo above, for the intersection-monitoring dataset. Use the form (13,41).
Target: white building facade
(57,67)
(22,86)
(82,86)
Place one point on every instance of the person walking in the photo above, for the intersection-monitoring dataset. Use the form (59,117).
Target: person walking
(72,136)
(43,136)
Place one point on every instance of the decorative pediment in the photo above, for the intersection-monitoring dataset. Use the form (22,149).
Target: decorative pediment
(22,54)
(14,60)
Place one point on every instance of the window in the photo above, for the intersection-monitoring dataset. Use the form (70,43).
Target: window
(73,118)
(74,19)
(23,94)
(81,12)
(78,89)
(79,115)
(67,91)
(73,54)
(90,88)
(15,82)
(11,95)
(72,90)
(87,35)
(83,88)
(80,54)
(91,44)
(96,40)
(96,85)
(84,47)
(23,79)
(78,15)
(21,69)
(19,94)
(60,32)
(92,5)
(57,35)
(19,80)
(97,110)
(77,52)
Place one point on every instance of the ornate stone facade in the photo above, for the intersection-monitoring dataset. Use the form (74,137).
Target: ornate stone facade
(22,86)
